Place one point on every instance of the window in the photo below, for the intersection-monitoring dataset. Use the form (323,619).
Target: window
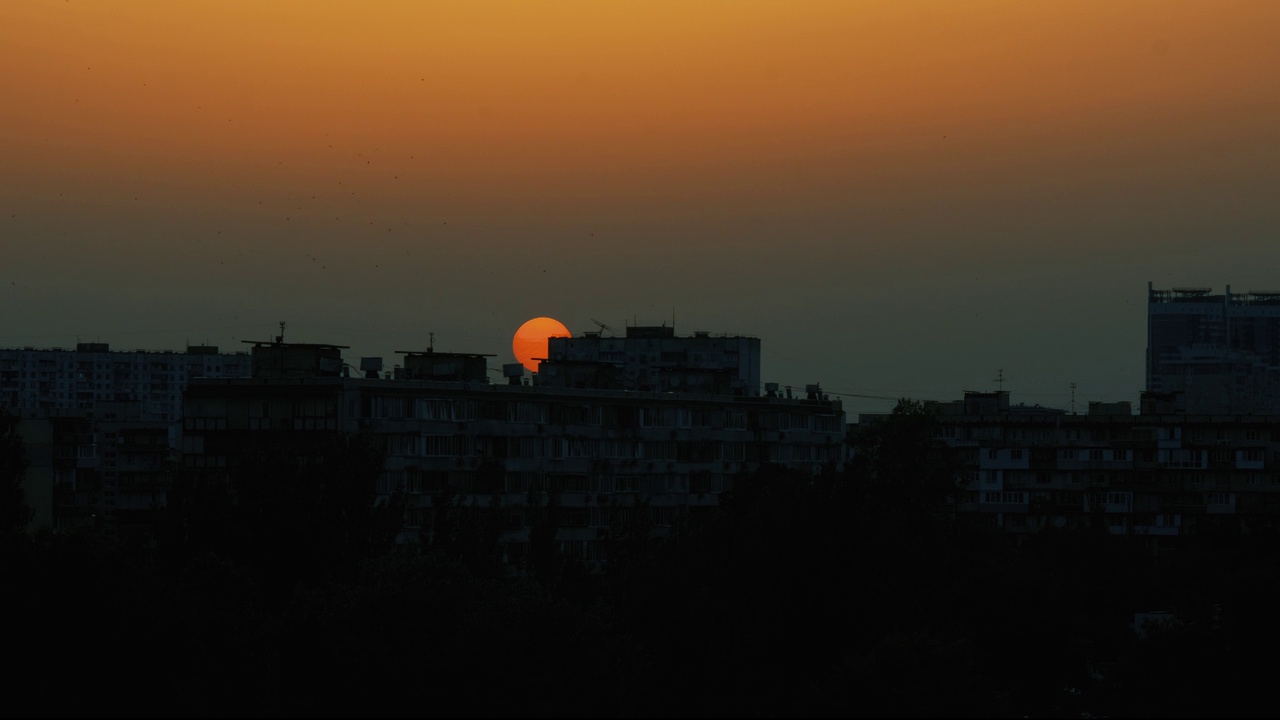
(438,445)
(733,452)
(1005,497)
(657,417)
(581,448)
(381,406)
(663,516)
(527,412)
(431,409)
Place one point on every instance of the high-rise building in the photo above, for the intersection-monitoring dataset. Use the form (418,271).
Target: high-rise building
(1217,354)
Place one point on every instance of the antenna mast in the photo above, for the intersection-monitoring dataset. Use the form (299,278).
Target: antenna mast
(603,327)
(280,337)
(1073,398)
(1000,379)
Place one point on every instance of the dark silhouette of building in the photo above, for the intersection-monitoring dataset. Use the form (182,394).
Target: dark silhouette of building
(52,381)
(102,428)
(446,367)
(585,460)
(653,358)
(1159,474)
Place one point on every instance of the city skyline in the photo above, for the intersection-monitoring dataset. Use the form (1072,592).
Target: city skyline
(906,199)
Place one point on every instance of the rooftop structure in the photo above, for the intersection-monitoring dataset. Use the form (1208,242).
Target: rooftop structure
(278,359)
(447,367)
(653,358)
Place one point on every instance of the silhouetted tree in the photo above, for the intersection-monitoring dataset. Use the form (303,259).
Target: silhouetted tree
(901,467)
(464,532)
(14,512)
(294,511)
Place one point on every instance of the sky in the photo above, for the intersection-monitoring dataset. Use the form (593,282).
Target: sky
(899,198)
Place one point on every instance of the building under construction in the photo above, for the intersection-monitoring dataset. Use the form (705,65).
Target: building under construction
(1217,353)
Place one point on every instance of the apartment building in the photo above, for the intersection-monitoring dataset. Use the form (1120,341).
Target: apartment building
(1157,473)
(597,457)
(55,381)
(101,428)
(654,358)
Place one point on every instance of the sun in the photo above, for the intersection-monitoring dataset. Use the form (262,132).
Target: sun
(530,340)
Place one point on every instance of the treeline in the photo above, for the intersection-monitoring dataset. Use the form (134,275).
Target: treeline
(853,593)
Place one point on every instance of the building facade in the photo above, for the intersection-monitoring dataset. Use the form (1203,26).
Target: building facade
(102,428)
(1156,474)
(653,358)
(1219,352)
(56,381)
(590,460)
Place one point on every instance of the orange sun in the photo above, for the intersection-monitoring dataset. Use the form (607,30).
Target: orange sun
(531,340)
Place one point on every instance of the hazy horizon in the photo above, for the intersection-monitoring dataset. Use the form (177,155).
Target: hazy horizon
(899,199)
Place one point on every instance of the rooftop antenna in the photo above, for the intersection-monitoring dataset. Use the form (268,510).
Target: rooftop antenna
(1000,379)
(1073,398)
(431,342)
(603,327)
(280,337)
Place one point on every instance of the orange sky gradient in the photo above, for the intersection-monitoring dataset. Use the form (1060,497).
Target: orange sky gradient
(825,175)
